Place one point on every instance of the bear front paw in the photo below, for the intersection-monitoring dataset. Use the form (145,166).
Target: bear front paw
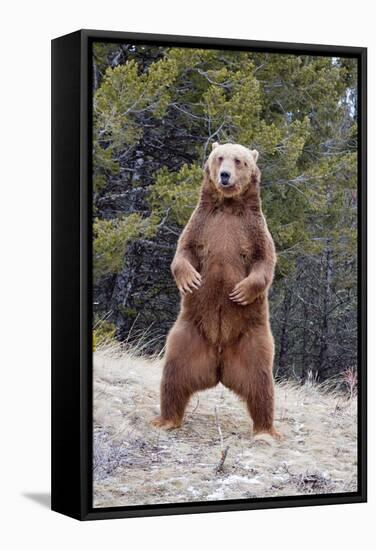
(245,292)
(188,279)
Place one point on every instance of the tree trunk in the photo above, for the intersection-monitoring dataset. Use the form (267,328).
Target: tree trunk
(324,343)
(282,370)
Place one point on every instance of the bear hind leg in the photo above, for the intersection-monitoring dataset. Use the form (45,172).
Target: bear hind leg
(248,372)
(175,394)
(190,366)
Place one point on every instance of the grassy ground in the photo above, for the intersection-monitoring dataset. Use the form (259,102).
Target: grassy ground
(135,463)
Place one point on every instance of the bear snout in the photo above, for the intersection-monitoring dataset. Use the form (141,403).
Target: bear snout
(225,178)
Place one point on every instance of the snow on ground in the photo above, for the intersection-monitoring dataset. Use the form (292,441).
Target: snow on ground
(135,463)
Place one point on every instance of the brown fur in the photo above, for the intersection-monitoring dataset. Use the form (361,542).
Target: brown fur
(223,267)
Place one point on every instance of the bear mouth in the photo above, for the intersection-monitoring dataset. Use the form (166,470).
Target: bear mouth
(226,184)
(228,189)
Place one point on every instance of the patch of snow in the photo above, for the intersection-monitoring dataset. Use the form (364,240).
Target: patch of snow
(243,479)
(217,495)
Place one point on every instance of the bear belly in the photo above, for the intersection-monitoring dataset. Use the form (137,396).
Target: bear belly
(210,308)
(224,257)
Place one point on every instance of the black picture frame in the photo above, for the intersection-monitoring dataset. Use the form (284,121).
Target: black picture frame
(72,286)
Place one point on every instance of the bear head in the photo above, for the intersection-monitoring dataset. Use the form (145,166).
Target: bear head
(232,168)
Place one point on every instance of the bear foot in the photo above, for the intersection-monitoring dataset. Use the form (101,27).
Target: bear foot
(264,437)
(165,423)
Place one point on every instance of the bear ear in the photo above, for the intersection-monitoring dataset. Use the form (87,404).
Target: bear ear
(215,145)
(255,154)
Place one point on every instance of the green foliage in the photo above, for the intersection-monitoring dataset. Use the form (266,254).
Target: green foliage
(236,108)
(103,334)
(176,193)
(111,238)
(123,96)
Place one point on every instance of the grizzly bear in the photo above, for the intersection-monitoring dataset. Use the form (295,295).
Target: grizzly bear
(223,268)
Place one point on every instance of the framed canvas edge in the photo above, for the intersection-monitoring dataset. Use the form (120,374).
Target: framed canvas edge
(87,511)
(215,42)
(66,366)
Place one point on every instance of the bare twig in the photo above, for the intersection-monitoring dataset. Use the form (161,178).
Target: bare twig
(196,406)
(218,425)
(212,134)
(224,451)
(219,467)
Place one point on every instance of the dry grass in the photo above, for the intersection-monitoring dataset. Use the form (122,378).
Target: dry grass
(135,463)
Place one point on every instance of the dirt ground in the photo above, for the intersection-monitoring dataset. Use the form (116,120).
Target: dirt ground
(135,463)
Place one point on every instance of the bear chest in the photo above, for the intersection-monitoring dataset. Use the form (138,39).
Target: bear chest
(225,237)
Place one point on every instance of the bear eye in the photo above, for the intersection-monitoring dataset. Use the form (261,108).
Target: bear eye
(220,159)
(237,162)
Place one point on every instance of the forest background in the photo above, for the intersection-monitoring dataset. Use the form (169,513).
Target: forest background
(156,111)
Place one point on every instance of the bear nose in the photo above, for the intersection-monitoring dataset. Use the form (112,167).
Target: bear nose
(225,177)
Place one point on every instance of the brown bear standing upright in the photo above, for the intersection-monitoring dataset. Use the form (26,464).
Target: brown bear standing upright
(223,268)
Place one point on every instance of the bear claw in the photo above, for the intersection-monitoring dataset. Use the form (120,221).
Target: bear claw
(164,423)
